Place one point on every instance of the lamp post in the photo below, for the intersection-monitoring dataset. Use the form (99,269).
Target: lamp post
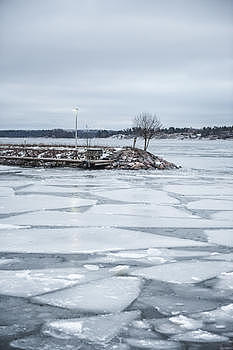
(75,110)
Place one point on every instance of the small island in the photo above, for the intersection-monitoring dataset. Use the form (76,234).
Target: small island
(50,156)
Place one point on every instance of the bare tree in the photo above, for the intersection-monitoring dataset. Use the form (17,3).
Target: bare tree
(146,126)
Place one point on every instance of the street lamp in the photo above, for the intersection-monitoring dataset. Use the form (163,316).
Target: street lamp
(75,110)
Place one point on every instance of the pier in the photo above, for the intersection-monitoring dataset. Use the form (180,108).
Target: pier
(53,156)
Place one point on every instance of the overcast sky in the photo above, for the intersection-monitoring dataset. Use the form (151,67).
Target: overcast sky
(114,59)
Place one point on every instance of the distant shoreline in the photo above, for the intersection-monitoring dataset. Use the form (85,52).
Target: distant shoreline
(212,133)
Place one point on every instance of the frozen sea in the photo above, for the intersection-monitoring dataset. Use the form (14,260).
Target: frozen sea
(119,260)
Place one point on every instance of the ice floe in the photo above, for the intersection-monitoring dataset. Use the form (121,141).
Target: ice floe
(200,336)
(20,204)
(185,272)
(141,195)
(12,226)
(171,305)
(86,240)
(6,192)
(226,217)
(49,189)
(218,256)
(97,329)
(26,283)
(220,237)
(14,330)
(37,342)
(104,296)
(211,204)
(151,256)
(75,218)
(6,261)
(225,281)
(223,313)
(200,190)
(154,344)
(175,325)
(142,210)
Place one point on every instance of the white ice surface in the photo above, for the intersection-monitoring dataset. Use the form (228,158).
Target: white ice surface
(55,218)
(170,305)
(85,240)
(226,217)
(211,204)
(200,190)
(220,237)
(175,325)
(153,344)
(225,281)
(144,210)
(38,202)
(151,256)
(218,256)
(153,252)
(21,284)
(4,261)
(104,296)
(44,189)
(200,336)
(97,329)
(6,192)
(26,283)
(185,272)
(139,194)
(223,314)
(186,322)
(12,226)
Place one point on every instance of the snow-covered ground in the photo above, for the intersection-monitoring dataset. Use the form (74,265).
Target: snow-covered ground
(119,260)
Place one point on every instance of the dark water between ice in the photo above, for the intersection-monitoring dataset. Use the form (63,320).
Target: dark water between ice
(119,259)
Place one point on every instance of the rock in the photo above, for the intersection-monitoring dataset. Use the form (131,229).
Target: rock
(135,159)
(48,156)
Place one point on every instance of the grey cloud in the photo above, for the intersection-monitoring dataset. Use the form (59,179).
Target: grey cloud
(115,59)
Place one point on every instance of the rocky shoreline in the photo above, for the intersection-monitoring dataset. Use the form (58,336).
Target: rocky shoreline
(48,156)
(136,159)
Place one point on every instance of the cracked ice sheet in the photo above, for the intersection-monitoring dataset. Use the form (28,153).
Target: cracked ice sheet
(150,256)
(86,240)
(105,296)
(4,261)
(200,336)
(175,325)
(97,329)
(37,202)
(211,204)
(226,217)
(11,226)
(223,313)
(218,256)
(6,192)
(140,195)
(146,211)
(225,281)
(170,305)
(185,272)
(200,190)
(153,344)
(47,189)
(26,283)
(56,218)
(220,237)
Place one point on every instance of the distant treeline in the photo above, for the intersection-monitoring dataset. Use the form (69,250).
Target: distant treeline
(214,132)
(58,133)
